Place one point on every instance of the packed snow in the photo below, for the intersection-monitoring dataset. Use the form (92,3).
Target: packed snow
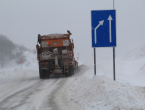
(101,93)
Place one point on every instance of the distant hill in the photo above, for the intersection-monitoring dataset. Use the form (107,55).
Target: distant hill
(10,51)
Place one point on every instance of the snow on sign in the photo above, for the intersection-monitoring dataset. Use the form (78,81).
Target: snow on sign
(103,28)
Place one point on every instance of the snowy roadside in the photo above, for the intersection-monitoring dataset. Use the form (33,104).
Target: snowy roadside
(100,92)
(97,92)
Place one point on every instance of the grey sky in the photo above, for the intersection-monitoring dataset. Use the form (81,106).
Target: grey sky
(22,20)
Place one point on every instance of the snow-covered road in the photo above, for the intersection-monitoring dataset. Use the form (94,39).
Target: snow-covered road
(23,90)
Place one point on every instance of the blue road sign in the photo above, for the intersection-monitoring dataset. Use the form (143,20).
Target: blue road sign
(103,28)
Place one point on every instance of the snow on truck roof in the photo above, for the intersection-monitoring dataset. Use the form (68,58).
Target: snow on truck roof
(52,36)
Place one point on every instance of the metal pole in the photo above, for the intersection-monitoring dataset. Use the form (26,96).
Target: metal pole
(113,55)
(113,4)
(114,62)
(94,61)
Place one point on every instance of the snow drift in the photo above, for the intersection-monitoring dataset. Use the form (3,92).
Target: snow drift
(100,92)
(97,92)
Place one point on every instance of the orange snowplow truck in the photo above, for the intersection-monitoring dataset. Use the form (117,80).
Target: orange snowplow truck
(55,54)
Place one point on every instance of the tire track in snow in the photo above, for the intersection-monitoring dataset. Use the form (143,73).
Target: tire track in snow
(12,85)
(18,98)
(21,98)
(25,98)
(59,98)
(43,95)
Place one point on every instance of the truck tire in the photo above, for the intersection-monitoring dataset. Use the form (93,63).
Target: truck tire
(40,76)
(72,71)
(47,73)
(70,74)
(43,73)
(40,73)
(66,74)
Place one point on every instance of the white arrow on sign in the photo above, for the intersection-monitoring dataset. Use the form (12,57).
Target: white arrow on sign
(110,18)
(100,23)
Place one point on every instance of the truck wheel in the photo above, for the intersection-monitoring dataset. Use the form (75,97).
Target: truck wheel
(72,71)
(66,74)
(47,73)
(40,76)
(41,73)
(44,74)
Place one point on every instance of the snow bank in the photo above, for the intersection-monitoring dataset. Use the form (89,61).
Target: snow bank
(97,92)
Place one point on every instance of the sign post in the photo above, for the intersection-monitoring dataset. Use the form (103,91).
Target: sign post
(21,61)
(114,62)
(94,61)
(78,57)
(103,24)
(113,54)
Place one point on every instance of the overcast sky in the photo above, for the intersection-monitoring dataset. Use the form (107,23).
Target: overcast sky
(22,20)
